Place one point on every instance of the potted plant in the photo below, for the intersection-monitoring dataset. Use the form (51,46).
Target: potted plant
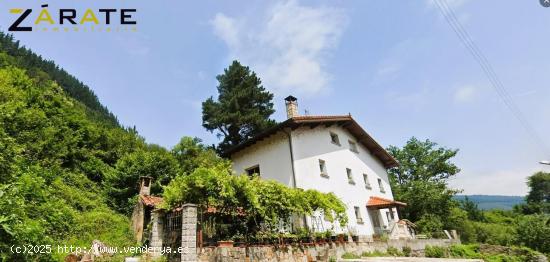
(225,243)
(239,239)
(346,238)
(320,237)
(274,238)
(353,232)
(304,235)
(262,237)
(289,238)
(329,235)
(341,238)
(209,229)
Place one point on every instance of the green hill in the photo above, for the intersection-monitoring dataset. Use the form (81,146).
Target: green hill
(59,149)
(37,67)
(487,202)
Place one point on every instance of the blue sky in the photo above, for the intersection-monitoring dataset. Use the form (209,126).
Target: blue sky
(396,66)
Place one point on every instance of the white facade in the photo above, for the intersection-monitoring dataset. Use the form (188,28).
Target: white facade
(309,147)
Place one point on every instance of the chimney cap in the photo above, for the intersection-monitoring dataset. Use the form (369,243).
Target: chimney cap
(291,98)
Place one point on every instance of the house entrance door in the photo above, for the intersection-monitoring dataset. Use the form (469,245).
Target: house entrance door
(375,219)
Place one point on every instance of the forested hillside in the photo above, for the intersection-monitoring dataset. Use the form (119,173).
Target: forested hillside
(488,202)
(59,153)
(39,68)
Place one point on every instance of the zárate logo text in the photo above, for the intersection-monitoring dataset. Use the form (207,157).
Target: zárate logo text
(68,19)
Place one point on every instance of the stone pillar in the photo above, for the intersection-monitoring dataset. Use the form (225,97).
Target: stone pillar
(189,232)
(156,233)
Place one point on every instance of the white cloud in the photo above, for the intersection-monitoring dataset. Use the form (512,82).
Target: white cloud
(226,29)
(465,94)
(288,46)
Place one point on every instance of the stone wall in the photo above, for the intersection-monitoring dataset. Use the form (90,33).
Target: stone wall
(319,252)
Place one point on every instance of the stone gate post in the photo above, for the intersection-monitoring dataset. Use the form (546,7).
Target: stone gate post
(189,232)
(156,233)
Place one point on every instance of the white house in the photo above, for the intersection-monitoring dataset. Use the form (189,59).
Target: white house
(329,154)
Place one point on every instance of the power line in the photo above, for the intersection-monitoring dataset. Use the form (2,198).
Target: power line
(489,72)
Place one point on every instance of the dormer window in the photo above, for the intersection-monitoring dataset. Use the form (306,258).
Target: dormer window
(253,171)
(334,138)
(353,146)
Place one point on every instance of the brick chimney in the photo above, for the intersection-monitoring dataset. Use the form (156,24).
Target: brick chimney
(145,185)
(291,106)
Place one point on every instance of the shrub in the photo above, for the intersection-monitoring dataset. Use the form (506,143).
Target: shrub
(407,251)
(502,258)
(495,234)
(458,220)
(429,223)
(392,251)
(534,231)
(435,251)
(349,255)
(375,253)
(494,253)
(464,251)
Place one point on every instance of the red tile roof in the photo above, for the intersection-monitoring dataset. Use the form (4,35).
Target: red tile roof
(378,202)
(345,121)
(152,201)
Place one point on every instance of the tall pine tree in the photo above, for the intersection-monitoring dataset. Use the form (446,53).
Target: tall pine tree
(242,109)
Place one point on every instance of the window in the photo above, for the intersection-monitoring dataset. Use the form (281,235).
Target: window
(366,180)
(350,176)
(381,186)
(389,216)
(253,171)
(358,215)
(334,138)
(323,168)
(353,146)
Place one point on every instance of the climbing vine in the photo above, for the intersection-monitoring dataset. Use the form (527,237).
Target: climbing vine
(251,199)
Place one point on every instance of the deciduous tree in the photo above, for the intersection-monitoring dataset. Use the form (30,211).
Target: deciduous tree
(538,199)
(421,178)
